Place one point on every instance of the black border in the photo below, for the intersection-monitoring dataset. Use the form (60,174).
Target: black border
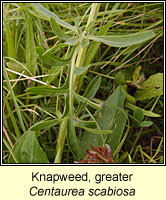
(79,164)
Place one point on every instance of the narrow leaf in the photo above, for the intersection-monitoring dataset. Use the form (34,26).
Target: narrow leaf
(44,124)
(124,40)
(136,73)
(50,58)
(44,11)
(57,30)
(81,70)
(10,41)
(96,131)
(74,40)
(73,141)
(18,67)
(88,124)
(31,54)
(89,92)
(55,48)
(145,123)
(145,112)
(86,101)
(46,91)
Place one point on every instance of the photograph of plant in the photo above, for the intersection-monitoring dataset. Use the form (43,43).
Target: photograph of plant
(83,83)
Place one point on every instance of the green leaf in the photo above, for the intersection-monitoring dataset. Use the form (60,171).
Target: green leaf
(92,51)
(124,40)
(136,73)
(74,40)
(46,91)
(14,99)
(84,43)
(61,140)
(28,150)
(146,112)
(145,123)
(58,156)
(95,131)
(10,41)
(73,141)
(54,70)
(81,70)
(18,67)
(44,11)
(44,124)
(80,123)
(55,48)
(110,117)
(138,114)
(50,58)
(129,98)
(56,29)
(86,101)
(31,54)
(89,92)
(119,79)
(152,87)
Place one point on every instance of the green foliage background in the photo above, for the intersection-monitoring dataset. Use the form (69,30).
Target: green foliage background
(81,74)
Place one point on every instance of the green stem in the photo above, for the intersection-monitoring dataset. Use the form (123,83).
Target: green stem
(77,61)
(61,140)
(82,52)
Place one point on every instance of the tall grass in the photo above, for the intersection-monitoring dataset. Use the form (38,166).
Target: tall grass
(78,75)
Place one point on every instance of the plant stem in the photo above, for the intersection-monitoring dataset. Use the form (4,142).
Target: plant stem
(82,52)
(61,139)
(77,61)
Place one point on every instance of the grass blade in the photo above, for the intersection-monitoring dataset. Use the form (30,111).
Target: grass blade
(13,98)
(31,55)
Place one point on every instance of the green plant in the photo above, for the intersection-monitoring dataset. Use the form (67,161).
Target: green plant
(70,57)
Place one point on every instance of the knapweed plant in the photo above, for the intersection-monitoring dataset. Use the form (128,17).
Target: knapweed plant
(82,82)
